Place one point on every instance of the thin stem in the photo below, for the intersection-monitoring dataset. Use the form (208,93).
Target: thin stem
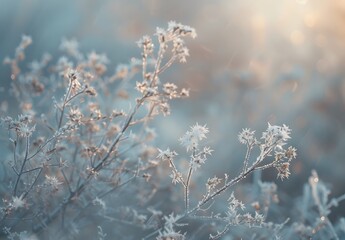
(31,170)
(157,66)
(334,202)
(66,180)
(41,147)
(23,165)
(187,189)
(246,159)
(190,171)
(15,142)
(167,65)
(74,96)
(33,183)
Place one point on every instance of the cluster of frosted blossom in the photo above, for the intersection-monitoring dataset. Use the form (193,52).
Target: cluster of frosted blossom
(190,140)
(22,126)
(276,135)
(171,48)
(273,141)
(247,137)
(174,34)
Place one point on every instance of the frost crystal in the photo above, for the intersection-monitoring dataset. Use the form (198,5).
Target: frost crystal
(17,202)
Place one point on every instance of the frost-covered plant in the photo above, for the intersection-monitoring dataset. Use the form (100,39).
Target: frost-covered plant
(272,154)
(81,135)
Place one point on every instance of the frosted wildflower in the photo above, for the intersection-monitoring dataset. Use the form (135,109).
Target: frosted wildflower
(184,92)
(90,91)
(180,50)
(161,34)
(199,131)
(72,74)
(213,182)
(197,161)
(176,177)
(256,220)
(146,44)
(191,138)
(24,130)
(276,135)
(206,151)
(247,136)
(200,158)
(181,30)
(142,86)
(75,115)
(52,182)
(291,153)
(170,90)
(164,108)
(166,154)
(18,202)
(283,170)
(24,118)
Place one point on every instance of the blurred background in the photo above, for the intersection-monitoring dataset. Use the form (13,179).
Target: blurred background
(253,62)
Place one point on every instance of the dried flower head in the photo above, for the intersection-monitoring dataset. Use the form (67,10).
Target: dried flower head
(276,135)
(166,154)
(191,138)
(247,137)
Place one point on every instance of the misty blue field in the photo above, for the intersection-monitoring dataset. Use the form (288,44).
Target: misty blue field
(172,120)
